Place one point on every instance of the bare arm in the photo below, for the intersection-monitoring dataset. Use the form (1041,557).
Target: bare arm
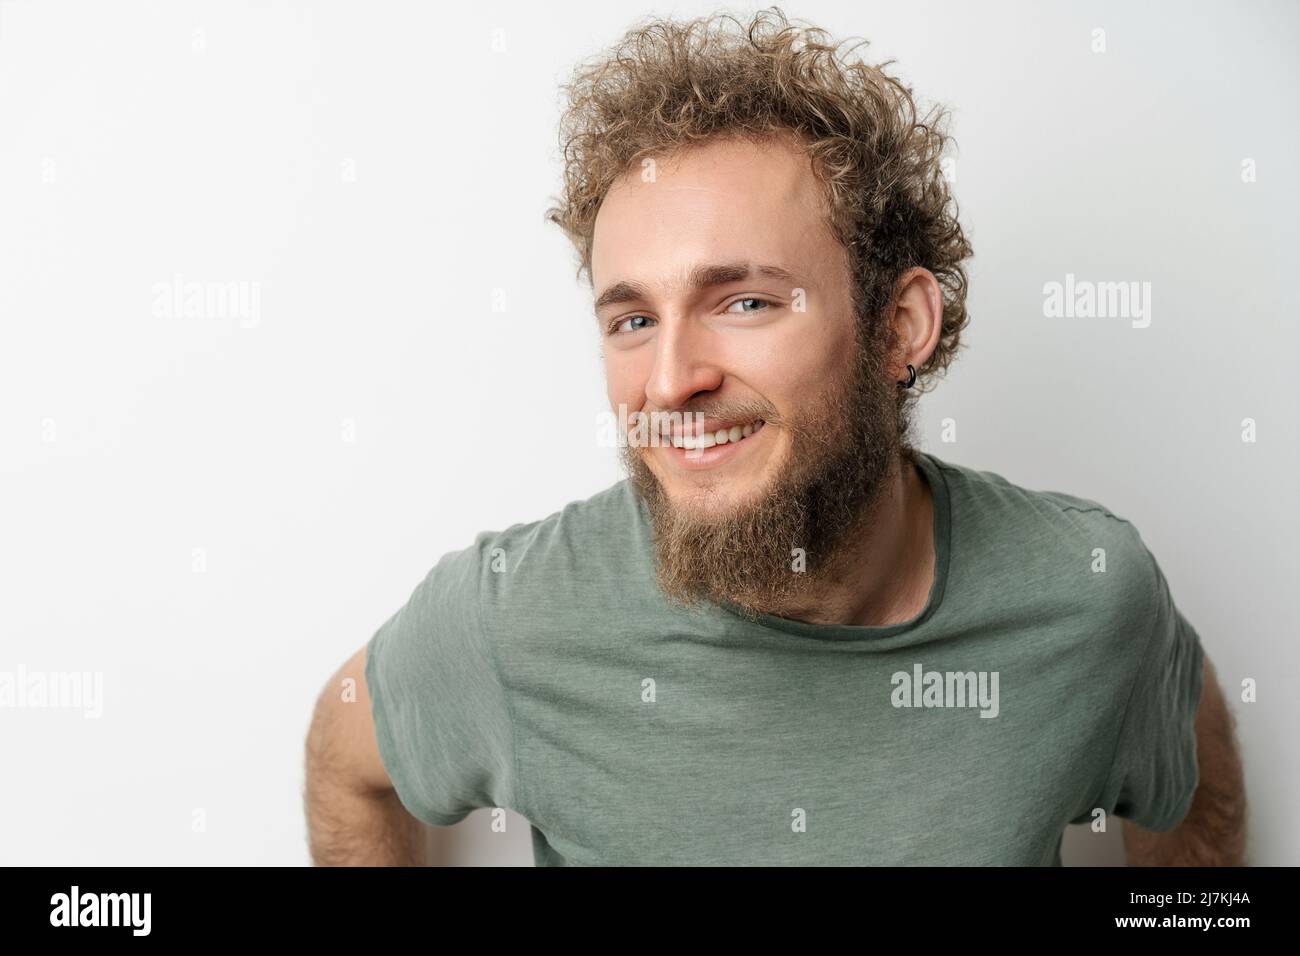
(353,815)
(1214,831)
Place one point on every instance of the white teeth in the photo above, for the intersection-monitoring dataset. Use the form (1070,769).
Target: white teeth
(721,437)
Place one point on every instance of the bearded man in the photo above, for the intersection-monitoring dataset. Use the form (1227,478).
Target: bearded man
(789,636)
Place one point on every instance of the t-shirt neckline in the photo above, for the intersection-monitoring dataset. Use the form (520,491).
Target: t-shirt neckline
(941,496)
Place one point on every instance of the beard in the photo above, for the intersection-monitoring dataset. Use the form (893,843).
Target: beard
(768,553)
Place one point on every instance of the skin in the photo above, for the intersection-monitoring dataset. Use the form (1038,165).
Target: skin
(734,202)
(353,815)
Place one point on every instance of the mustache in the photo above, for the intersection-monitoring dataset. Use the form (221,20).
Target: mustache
(748,410)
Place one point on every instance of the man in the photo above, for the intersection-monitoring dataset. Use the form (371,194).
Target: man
(789,637)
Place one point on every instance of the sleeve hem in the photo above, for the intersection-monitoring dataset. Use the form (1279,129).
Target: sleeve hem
(1137,675)
(1184,805)
(388,752)
(486,635)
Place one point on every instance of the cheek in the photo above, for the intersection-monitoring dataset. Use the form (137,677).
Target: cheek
(788,364)
(625,378)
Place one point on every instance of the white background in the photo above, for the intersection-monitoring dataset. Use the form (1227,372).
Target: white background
(380,172)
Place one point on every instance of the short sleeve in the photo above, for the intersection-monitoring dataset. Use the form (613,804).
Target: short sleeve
(441,718)
(1154,774)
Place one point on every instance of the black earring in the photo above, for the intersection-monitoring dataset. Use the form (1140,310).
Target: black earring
(911,378)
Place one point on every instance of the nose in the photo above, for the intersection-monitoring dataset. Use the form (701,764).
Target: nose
(684,365)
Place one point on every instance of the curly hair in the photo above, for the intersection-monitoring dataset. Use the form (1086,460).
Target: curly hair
(669,85)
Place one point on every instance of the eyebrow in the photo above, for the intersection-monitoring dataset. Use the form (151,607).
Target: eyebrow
(702,277)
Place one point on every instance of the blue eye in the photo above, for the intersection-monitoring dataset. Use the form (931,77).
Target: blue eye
(640,322)
(749,299)
(632,318)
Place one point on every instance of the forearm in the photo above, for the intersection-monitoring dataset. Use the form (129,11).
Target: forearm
(1214,831)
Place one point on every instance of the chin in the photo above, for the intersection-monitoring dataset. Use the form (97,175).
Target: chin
(713,499)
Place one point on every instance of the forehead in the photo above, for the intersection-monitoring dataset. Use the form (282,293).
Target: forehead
(727,200)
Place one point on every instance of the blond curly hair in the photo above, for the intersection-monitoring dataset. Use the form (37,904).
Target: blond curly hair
(669,85)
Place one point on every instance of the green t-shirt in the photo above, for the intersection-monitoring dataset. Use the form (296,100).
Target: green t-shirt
(1050,674)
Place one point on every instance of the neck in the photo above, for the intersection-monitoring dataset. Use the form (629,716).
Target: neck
(884,572)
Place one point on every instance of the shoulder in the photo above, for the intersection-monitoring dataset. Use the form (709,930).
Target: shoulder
(1078,547)
(987,497)
(556,574)
(565,559)
(589,530)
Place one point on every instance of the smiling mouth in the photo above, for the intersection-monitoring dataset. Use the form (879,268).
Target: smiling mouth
(723,436)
